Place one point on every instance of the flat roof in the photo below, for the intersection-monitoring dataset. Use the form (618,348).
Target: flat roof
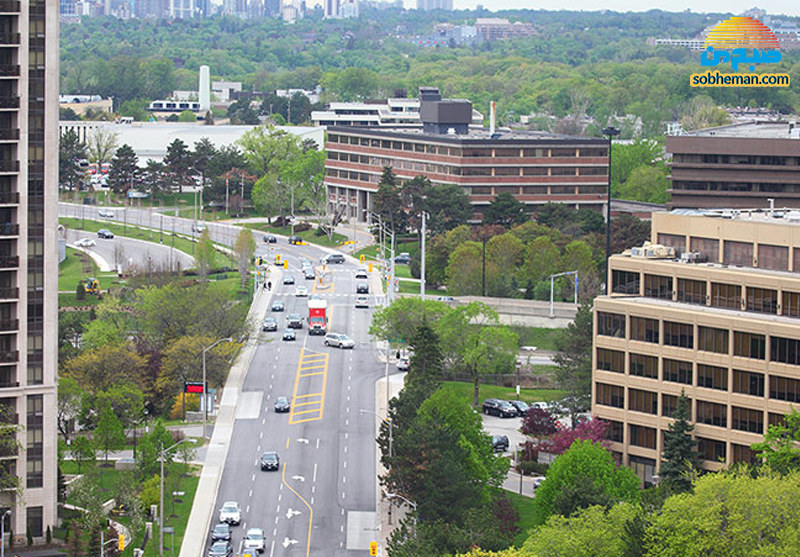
(779,215)
(474,136)
(749,130)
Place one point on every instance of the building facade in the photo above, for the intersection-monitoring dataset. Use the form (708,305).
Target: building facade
(435,5)
(736,166)
(28,259)
(720,324)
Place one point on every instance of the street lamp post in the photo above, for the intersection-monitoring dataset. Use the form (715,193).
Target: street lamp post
(413,505)
(205,393)
(610,132)
(387,419)
(3,532)
(422,260)
(161,493)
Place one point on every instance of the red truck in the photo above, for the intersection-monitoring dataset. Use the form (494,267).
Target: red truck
(317,317)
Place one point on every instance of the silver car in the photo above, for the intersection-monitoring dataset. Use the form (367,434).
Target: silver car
(339,340)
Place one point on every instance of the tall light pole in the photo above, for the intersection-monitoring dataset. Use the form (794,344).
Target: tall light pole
(413,505)
(610,132)
(422,260)
(205,393)
(387,419)
(161,493)
(3,532)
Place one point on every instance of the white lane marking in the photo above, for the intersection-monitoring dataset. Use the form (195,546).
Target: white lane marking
(318,442)
(313,489)
(281,488)
(348,398)
(314,479)
(344,479)
(349,377)
(247,510)
(343,495)
(254,478)
(342,511)
(259,449)
(250,494)
(272,547)
(345,448)
(261,436)
(348,387)
(280,496)
(263,421)
(347,422)
(312,501)
(345,464)
(346,435)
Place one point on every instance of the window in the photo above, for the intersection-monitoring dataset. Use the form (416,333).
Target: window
(784,350)
(669,403)
(726,295)
(593,171)
(35,521)
(762,300)
(673,241)
(610,324)
(748,383)
(499,153)
(625,282)
(691,291)
(610,395)
(711,413)
(562,152)
(745,419)
(677,371)
(643,366)
(678,334)
(791,304)
(644,329)
(784,388)
(534,171)
(641,436)
(711,450)
(563,171)
(611,360)
(506,171)
(749,345)
(710,339)
(707,246)
(773,257)
(712,377)
(738,253)
(535,153)
(642,401)
(778,420)
(615,431)
(657,286)
(743,453)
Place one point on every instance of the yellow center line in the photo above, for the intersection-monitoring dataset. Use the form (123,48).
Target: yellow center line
(287,442)
(310,510)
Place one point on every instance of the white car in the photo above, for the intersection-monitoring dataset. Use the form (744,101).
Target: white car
(362,301)
(403,364)
(85,243)
(254,539)
(105,213)
(339,340)
(230,513)
(362,274)
(301,292)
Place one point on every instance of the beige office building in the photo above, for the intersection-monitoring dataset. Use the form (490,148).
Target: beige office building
(28,260)
(721,322)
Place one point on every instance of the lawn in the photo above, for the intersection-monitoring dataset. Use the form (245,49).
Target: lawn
(465,390)
(402,271)
(524,506)
(309,236)
(370,252)
(76,267)
(230,287)
(541,338)
(408,287)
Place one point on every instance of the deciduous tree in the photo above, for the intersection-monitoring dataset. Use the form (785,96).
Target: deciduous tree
(101,144)
(245,249)
(109,434)
(780,448)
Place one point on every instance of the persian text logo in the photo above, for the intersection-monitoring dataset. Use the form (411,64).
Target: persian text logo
(729,41)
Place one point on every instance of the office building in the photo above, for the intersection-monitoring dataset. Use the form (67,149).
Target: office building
(535,167)
(331,9)
(28,259)
(736,166)
(435,5)
(498,29)
(718,319)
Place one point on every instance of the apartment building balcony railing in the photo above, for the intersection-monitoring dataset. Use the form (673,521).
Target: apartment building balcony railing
(8,38)
(9,166)
(9,293)
(9,6)
(9,356)
(9,197)
(9,229)
(9,324)
(9,102)
(9,134)
(9,70)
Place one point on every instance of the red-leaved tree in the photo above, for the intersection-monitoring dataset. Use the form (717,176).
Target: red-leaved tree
(538,423)
(592,430)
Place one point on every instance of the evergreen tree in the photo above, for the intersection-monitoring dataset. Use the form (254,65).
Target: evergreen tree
(179,164)
(426,361)
(124,172)
(574,362)
(70,152)
(204,151)
(506,210)
(679,458)
(109,434)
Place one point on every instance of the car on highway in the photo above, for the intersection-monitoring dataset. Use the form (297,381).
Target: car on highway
(402,259)
(221,549)
(500,408)
(362,288)
(294,321)
(295,240)
(221,532)
(105,233)
(288,279)
(282,404)
(230,513)
(105,213)
(333,258)
(254,539)
(270,461)
(301,292)
(521,407)
(308,273)
(362,301)
(85,243)
(339,340)
(500,443)
(403,364)
(270,239)
(289,334)
(199,228)
(269,324)
(361,274)
(445,299)
(277,305)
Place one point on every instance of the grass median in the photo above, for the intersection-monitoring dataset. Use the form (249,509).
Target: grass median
(465,390)
(309,236)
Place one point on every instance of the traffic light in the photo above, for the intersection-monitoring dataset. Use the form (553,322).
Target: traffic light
(373,548)
(259,262)
(370,267)
(285,264)
(362,258)
(121,543)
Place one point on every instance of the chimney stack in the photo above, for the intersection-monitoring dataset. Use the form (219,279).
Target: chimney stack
(491,118)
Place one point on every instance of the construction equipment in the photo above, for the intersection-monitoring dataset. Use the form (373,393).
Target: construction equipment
(92,286)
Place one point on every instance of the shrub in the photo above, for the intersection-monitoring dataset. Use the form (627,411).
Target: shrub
(532,468)
(80,292)
(48,536)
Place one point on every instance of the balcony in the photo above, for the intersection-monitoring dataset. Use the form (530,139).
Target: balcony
(9,197)
(8,38)
(9,70)
(9,6)
(10,102)
(9,166)
(9,324)
(9,356)
(9,229)
(9,261)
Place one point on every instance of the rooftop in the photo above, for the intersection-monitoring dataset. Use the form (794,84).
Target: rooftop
(752,130)
(474,134)
(782,216)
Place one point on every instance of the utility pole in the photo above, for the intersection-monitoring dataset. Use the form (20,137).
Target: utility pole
(422,260)
(226,197)
(609,132)
(483,267)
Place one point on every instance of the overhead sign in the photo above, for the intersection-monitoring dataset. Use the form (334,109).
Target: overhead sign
(194,387)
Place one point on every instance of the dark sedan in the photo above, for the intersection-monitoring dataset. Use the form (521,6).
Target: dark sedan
(270,239)
(221,532)
(221,549)
(270,461)
(282,404)
(277,305)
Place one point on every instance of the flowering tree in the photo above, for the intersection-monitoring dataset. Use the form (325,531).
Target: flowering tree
(539,423)
(590,430)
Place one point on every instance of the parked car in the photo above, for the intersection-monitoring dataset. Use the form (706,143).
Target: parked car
(277,305)
(362,288)
(289,334)
(333,258)
(301,292)
(254,539)
(85,243)
(221,549)
(403,364)
(295,240)
(521,407)
(269,324)
(230,513)
(221,532)
(497,407)
(362,301)
(270,239)
(500,443)
(403,259)
(339,340)
(538,481)
(282,404)
(105,233)
(288,279)
(294,321)
(270,461)
(362,274)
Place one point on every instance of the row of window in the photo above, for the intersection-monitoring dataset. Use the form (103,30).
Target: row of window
(679,183)
(767,160)
(743,254)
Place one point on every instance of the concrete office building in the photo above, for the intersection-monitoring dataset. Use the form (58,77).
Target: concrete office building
(721,324)
(736,166)
(535,167)
(29,258)
(435,5)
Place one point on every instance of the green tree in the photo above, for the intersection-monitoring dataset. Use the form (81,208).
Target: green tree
(506,210)
(680,458)
(542,259)
(178,163)
(584,463)
(475,343)
(187,116)
(109,434)
(388,202)
(105,366)
(83,452)
(400,321)
(204,255)
(447,206)
(245,249)
(70,152)
(506,252)
(574,361)
(464,270)
(427,359)
(267,149)
(779,450)
(204,153)
(183,361)
(702,112)
(126,400)
(356,84)
(646,183)
(68,406)
(438,253)
(642,153)
(101,144)
(124,172)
